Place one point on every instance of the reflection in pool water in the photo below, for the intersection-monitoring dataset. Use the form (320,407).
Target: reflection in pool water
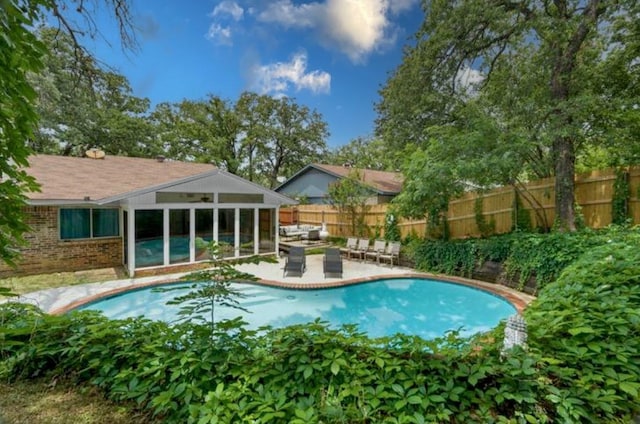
(421,307)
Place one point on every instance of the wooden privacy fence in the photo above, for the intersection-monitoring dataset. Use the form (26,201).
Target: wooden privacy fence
(593,192)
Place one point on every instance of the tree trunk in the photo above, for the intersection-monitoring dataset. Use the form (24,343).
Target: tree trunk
(563,144)
(563,148)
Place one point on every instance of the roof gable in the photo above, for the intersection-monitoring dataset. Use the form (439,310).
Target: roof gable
(381,181)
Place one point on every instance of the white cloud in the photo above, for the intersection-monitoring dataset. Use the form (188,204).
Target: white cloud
(399,6)
(225,11)
(355,27)
(219,34)
(468,78)
(285,13)
(230,8)
(277,78)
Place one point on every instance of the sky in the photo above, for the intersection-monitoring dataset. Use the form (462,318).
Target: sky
(332,56)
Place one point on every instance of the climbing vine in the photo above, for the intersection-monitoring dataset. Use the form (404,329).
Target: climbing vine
(485,228)
(620,200)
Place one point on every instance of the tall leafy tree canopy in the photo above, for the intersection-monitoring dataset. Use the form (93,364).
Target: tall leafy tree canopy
(22,53)
(81,105)
(362,152)
(497,91)
(257,137)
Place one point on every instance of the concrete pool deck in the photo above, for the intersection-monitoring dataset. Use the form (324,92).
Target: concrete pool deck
(62,299)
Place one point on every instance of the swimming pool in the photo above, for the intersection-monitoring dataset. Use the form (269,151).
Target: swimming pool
(414,306)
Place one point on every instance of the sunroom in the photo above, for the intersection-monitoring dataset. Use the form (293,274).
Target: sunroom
(170,225)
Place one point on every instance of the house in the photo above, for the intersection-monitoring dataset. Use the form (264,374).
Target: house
(145,214)
(312,182)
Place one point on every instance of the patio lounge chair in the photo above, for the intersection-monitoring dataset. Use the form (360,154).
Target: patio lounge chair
(363,247)
(352,245)
(378,248)
(332,262)
(296,261)
(392,252)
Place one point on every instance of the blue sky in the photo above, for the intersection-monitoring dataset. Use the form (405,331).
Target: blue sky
(330,55)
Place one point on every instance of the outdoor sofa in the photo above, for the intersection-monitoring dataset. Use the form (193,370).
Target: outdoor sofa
(299,231)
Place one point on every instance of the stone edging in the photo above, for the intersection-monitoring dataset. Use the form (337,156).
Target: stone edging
(517,299)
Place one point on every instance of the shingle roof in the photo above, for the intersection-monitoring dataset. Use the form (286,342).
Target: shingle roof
(74,178)
(386,182)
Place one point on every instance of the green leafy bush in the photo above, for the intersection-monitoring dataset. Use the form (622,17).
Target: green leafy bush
(524,255)
(456,257)
(581,365)
(586,325)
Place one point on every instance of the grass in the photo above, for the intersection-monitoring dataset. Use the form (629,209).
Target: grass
(46,401)
(53,401)
(31,283)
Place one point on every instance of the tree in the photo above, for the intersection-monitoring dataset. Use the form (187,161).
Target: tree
(350,197)
(213,287)
(295,137)
(213,129)
(254,111)
(362,152)
(21,53)
(257,137)
(81,105)
(532,70)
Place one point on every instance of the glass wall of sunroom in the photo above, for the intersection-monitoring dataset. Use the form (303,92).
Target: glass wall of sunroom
(177,235)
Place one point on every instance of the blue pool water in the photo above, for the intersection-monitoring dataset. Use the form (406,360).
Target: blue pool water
(421,307)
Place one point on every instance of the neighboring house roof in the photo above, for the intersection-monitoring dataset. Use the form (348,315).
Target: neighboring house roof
(382,182)
(73,179)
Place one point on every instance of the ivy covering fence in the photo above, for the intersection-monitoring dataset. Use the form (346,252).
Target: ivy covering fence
(603,197)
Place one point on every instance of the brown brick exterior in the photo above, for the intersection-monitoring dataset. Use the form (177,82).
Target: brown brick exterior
(46,253)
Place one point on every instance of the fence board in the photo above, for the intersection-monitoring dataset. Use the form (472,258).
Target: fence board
(594,193)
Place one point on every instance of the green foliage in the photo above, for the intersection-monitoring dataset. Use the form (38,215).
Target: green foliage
(521,217)
(460,257)
(590,320)
(350,197)
(427,188)
(391,229)
(305,373)
(523,254)
(546,255)
(515,91)
(20,53)
(81,105)
(364,153)
(485,228)
(582,363)
(213,286)
(620,200)
(257,137)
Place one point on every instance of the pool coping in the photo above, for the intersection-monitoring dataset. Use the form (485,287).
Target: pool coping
(518,299)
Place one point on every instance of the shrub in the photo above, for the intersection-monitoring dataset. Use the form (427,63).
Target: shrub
(582,363)
(587,325)
(523,254)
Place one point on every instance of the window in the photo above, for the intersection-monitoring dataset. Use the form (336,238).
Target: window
(240,198)
(170,197)
(83,223)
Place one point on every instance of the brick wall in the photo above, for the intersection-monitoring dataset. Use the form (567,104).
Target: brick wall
(46,253)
